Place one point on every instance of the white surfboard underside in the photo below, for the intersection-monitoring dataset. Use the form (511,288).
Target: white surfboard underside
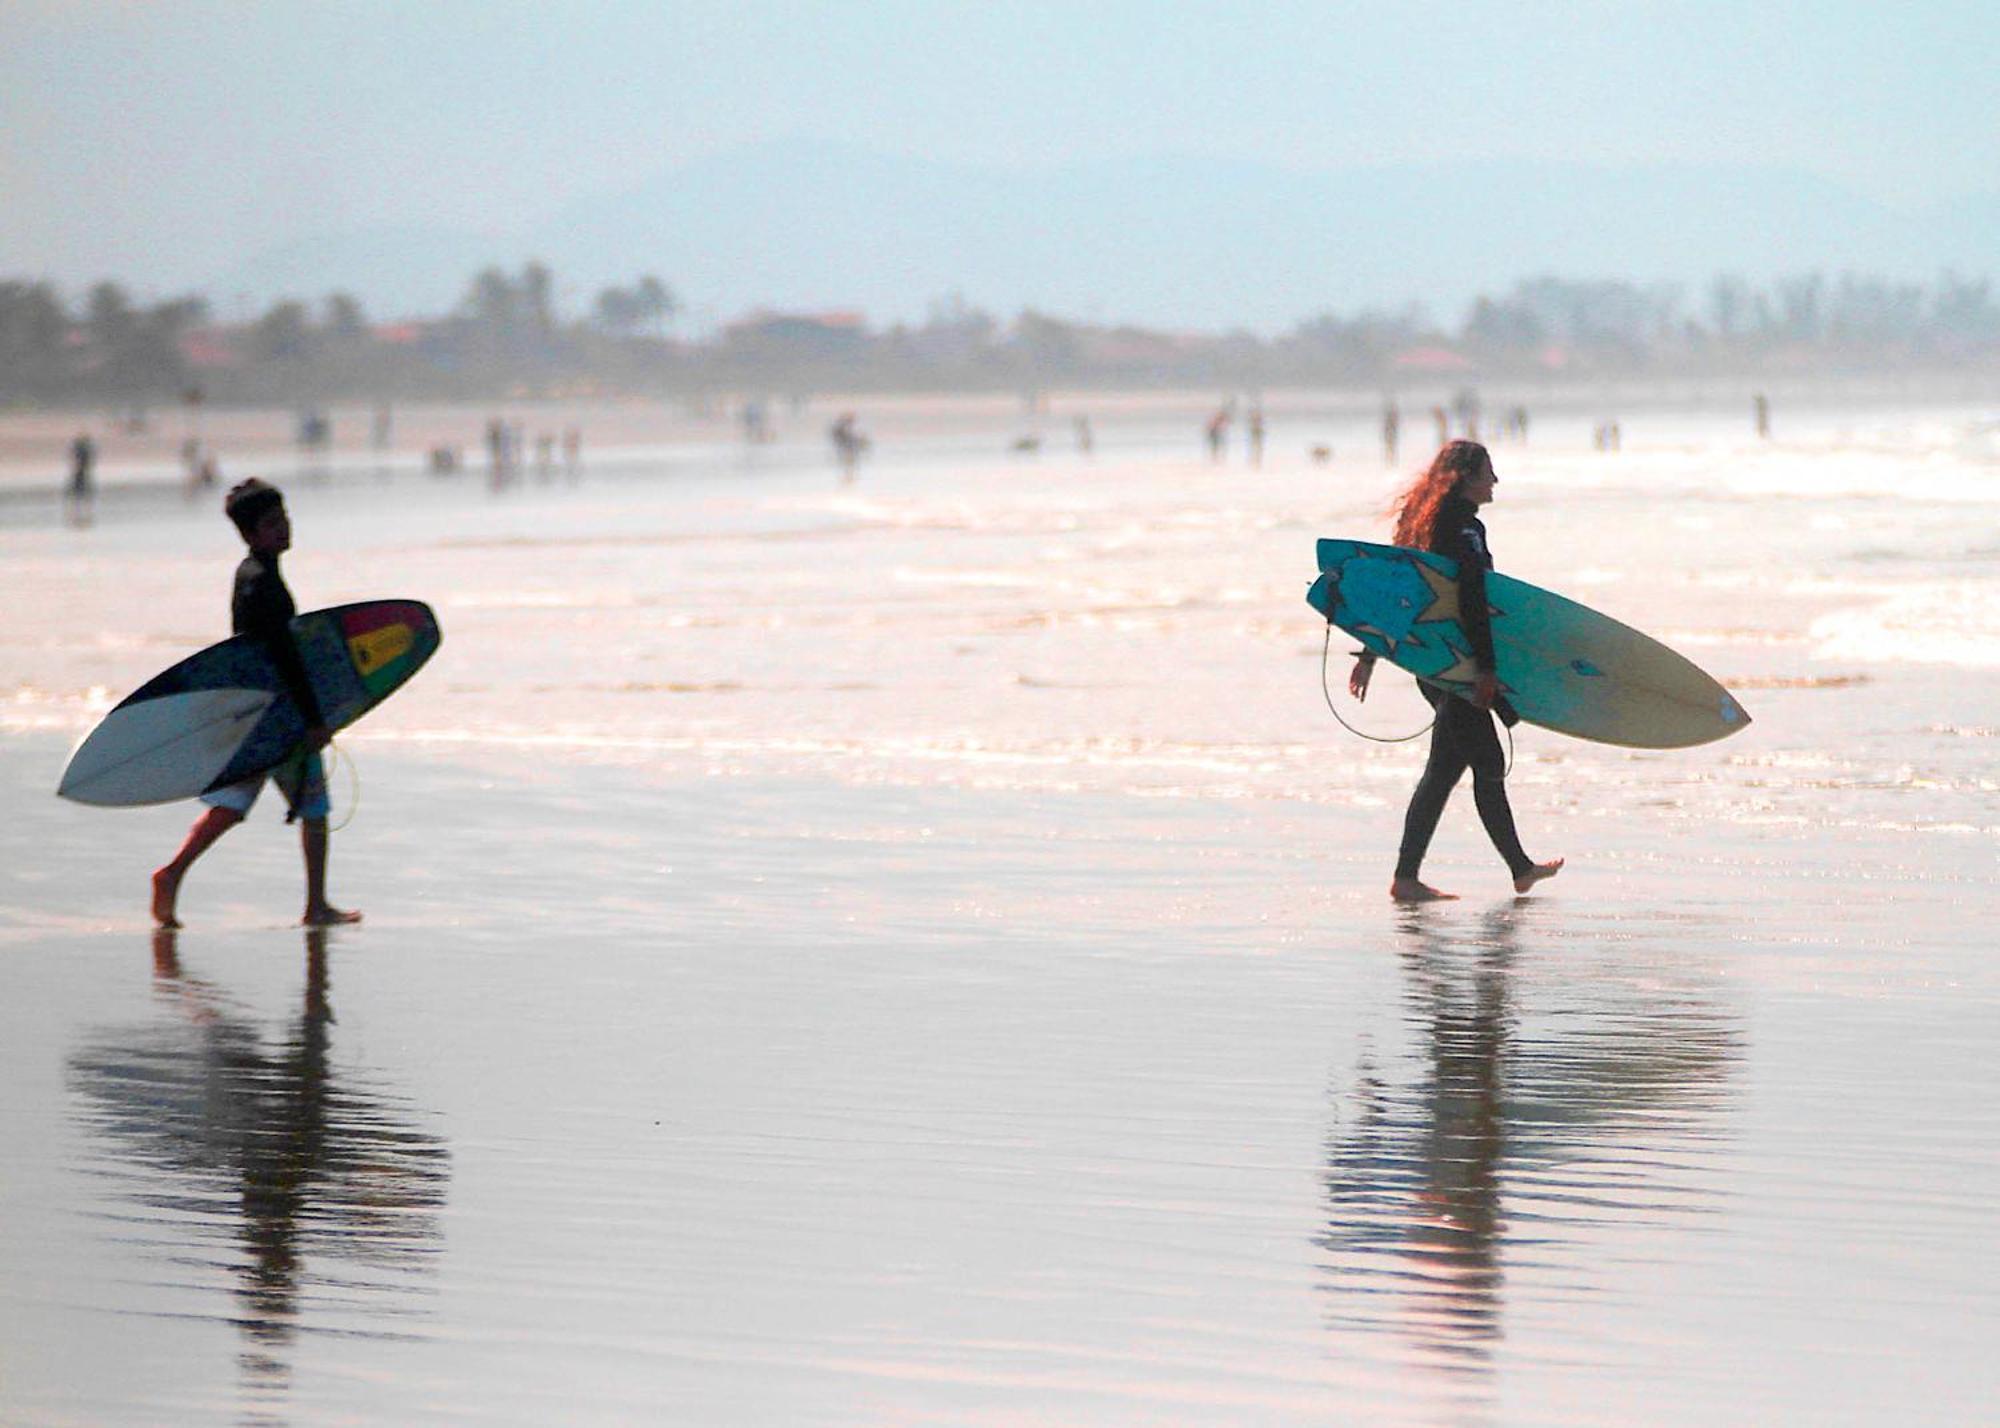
(162,749)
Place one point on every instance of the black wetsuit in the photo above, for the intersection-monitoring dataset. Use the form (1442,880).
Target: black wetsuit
(261,606)
(1463,736)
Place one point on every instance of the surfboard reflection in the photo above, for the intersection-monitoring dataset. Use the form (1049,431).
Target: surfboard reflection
(1496,1130)
(217,1137)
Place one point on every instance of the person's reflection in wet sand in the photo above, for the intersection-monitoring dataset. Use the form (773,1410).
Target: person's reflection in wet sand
(1418,1176)
(1420,1167)
(206,1124)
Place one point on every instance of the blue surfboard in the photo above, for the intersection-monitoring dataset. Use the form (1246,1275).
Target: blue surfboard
(1560,664)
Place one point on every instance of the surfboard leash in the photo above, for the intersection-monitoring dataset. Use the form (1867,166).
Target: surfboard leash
(1326,691)
(337,756)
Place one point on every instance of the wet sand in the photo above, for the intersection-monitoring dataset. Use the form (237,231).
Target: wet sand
(918,954)
(774,1102)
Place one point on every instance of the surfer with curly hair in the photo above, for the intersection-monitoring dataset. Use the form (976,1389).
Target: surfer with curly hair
(1439,512)
(262,607)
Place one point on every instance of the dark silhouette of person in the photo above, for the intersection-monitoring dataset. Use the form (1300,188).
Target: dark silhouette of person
(848,444)
(1433,1142)
(1439,512)
(498,458)
(80,495)
(222,1128)
(262,607)
(1217,431)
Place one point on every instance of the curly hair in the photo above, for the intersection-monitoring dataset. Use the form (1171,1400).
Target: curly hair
(1416,506)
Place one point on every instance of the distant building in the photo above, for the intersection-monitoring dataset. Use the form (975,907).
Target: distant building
(210,349)
(401,334)
(1135,347)
(1431,359)
(797,335)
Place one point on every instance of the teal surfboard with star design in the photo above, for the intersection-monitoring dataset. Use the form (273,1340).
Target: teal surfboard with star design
(1561,665)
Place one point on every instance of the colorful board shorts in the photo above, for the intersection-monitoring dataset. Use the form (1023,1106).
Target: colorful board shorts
(301,779)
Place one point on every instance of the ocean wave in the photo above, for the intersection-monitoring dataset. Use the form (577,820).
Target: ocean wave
(1954,623)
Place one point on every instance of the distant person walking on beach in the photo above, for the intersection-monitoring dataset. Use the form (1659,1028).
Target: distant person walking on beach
(1439,512)
(500,451)
(848,444)
(262,608)
(80,495)
(1218,432)
(1255,429)
(1762,407)
(1392,430)
(315,440)
(1466,406)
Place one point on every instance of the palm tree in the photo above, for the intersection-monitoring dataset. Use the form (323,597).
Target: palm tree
(655,303)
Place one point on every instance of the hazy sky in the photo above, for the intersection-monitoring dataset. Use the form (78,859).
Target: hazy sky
(156,141)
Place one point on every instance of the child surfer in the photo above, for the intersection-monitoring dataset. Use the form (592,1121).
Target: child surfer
(262,608)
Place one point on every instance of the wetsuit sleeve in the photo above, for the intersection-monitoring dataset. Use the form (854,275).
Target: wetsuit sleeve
(1474,616)
(264,612)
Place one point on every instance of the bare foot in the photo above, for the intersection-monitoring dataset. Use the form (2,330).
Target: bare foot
(327,915)
(166,887)
(1536,874)
(1410,890)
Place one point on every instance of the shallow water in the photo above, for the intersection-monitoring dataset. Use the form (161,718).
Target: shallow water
(915,952)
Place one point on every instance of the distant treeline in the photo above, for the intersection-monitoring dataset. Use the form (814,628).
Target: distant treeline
(506,337)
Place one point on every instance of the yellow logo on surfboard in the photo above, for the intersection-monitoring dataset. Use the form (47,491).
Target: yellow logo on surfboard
(377,647)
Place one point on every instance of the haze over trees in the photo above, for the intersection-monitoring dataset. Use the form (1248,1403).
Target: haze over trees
(510,335)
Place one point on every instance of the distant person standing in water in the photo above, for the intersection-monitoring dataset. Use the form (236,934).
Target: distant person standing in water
(262,608)
(1439,512)
(80,495)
